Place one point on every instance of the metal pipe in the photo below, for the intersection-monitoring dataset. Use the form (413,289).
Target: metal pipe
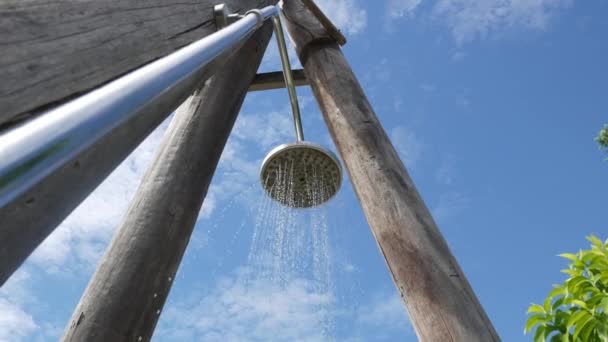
(289,82)
(31,152)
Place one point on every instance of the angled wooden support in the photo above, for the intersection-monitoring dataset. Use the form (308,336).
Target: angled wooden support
(54,50)
(124,298)
(441,303)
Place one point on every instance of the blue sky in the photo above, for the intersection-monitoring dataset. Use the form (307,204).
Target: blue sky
(492,105)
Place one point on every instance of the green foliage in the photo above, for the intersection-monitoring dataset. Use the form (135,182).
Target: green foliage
(602,138)
(577,310)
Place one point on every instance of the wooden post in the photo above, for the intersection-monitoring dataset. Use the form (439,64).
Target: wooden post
(439,299)
(54,50)
(124,298)
(28,220)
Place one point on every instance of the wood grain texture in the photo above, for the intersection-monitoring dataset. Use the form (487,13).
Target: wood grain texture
(440,301)
(27,220)
(54,50)
(125,296)
(275,80)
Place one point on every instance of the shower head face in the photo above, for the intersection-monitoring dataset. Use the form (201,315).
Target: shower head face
(301,175)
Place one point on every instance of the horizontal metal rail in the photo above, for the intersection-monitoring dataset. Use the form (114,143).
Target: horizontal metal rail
(35,149)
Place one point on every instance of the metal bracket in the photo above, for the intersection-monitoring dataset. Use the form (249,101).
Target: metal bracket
(223,16)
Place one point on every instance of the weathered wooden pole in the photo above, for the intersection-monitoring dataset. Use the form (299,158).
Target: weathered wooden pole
(55,50)
(441,303)
(124,298)
(27,219)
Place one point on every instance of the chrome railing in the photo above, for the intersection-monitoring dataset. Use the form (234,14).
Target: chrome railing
(37,148)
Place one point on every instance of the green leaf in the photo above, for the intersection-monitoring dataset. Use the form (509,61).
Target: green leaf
(539,335)
(534,320)
(557,304)
(595,241)
(581,325)
(569,256)
(558,290)
(586,256)
(572,273)
(596,299)
(535,308)
(574,319)
(579,303)
(574,283)
(604,305)
(588,330)
(556,338)
(560,319)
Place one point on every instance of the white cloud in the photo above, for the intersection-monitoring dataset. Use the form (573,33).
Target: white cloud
(450,204)
(401,8)
(15,323)
(447,170)
(471,19)
(84,234)
(386,310)
(264,129)
(249,308)
(407,144)
(347,15)
(243,309)
(476,19)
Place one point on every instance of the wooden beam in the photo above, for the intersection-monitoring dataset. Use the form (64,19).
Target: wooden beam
(439,299)
(275,80)
(124,298)
(54,50)
(27,220)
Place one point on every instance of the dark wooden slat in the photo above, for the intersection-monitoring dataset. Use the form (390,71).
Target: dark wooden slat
(54,50)
(274,80)
(124,299)
(439,299)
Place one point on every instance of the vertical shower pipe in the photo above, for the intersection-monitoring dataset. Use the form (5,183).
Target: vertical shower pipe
(441,303)
(287,74)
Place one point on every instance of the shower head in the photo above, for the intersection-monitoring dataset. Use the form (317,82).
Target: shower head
(301,174)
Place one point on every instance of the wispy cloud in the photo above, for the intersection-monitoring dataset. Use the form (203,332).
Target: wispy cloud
(468,20)
(242,309)
(447,171)
(385,310)
(15,323)
(449,205)
(347,15)
(401,8)
(407,144)
(82,237)
(471,19)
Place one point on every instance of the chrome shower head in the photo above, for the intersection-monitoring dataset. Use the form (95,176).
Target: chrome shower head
(301,174)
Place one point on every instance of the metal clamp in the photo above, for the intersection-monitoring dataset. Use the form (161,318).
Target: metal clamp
(223,16)
(259,16)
